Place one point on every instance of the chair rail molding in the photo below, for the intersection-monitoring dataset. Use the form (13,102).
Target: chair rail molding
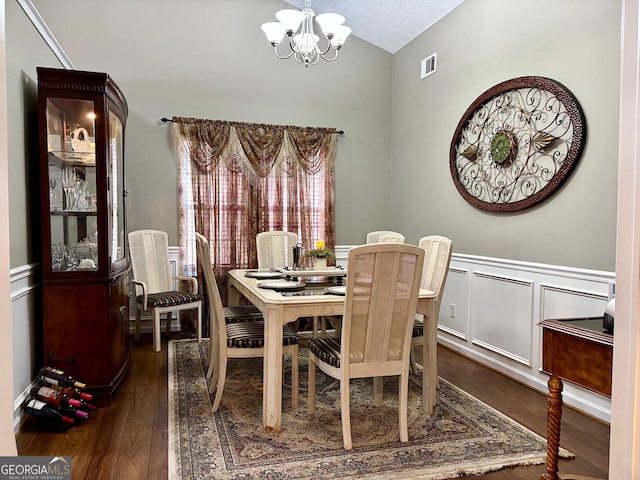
(491,308)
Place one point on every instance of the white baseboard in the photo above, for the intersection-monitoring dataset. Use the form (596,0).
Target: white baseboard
(572,396)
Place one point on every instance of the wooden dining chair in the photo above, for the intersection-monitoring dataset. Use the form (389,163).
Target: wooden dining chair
(236,339)
(437,259)
(385,236)
(275,249)
(237,313)
(380,236)
(382,291)
(154,284)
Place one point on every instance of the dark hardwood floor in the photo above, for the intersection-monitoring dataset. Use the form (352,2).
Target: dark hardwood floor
(128,440)
(584,436)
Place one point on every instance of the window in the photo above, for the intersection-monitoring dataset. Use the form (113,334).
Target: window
(230,196)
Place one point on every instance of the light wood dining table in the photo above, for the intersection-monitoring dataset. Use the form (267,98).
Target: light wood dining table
(278,310)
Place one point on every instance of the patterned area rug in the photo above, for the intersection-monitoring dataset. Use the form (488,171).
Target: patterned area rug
(464,436)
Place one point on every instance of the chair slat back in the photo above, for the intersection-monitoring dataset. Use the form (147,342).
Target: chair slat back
(385,236)
(275,249)
(380,305)
(436,262)
(437,259)
(214,301)
(149,252)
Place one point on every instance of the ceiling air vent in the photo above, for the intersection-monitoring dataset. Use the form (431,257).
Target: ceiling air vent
(428,65)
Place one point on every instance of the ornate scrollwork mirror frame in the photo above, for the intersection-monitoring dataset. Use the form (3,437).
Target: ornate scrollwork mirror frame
(517,144)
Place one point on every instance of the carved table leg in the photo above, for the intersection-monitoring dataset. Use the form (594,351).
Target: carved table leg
(554,413)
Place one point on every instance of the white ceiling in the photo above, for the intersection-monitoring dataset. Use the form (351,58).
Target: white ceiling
(388,24)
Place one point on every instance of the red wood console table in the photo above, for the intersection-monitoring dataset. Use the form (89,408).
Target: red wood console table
(579,351)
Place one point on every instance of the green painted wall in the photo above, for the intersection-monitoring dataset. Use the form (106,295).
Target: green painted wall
(25,50)
(211,60)
(482,43)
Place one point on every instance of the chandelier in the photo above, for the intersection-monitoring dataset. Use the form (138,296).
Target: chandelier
(303,45)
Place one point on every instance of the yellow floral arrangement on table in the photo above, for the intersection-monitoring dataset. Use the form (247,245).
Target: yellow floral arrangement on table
(320,251)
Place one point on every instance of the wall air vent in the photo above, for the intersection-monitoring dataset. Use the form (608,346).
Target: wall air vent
(428,65)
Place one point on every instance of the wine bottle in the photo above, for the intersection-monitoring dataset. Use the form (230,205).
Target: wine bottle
(82,404)
(58,377)
(58,398)
(49,395)
(74,412)
(75,393)
(43,411)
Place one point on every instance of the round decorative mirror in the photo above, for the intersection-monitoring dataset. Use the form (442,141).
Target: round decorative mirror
(516,144)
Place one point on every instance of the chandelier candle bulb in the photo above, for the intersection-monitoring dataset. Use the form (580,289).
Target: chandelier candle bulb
(274,32)
(330,23)
(290,19)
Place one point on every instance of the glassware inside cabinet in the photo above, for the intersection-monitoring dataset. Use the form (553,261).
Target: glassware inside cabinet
(72,184)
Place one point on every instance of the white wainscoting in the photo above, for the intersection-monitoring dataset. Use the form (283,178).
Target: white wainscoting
(498,305)
(491,308)
(26,332)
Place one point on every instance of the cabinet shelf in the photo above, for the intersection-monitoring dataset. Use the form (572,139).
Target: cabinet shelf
(72,159)
(74,213)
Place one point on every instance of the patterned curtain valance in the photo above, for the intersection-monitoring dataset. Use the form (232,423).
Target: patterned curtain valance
(255,149)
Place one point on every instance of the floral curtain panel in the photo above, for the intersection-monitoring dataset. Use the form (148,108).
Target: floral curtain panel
(239,179)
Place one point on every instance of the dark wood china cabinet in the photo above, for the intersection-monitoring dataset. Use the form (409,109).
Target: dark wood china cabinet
(85,265)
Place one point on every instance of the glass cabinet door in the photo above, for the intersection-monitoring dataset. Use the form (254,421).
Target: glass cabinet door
(72,184)
(115,155)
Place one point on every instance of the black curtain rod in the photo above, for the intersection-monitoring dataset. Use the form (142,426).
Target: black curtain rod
(165,119)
